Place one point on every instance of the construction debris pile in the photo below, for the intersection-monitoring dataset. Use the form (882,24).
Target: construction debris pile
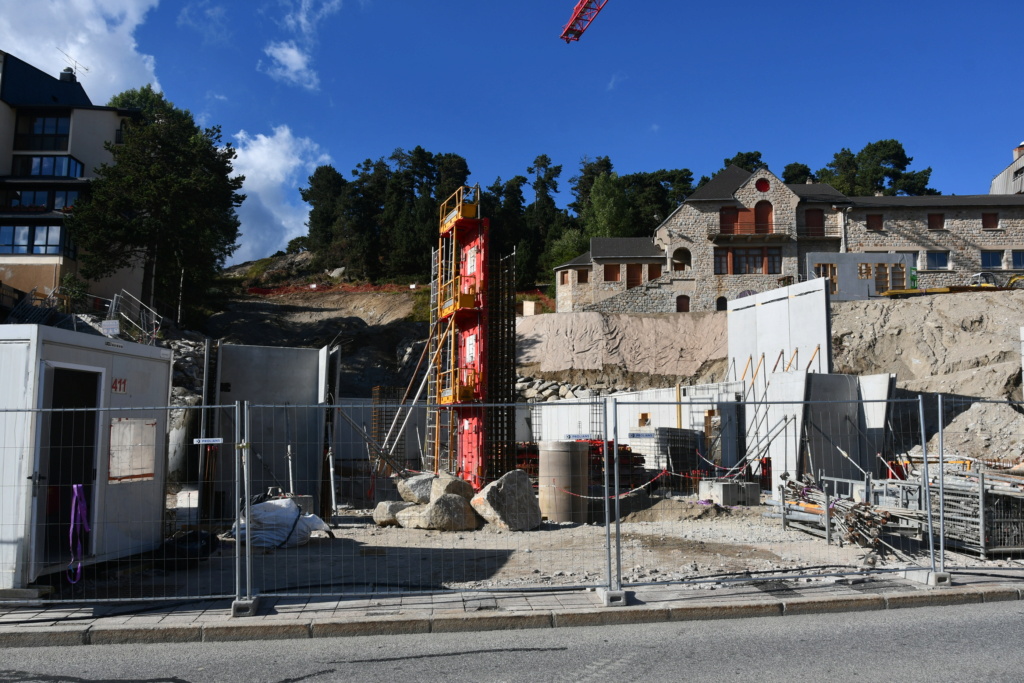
(846,521)
(445,502)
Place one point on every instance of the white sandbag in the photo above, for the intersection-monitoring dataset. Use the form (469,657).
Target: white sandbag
(279,523)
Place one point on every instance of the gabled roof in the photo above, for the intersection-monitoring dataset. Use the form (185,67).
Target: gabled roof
(817,192)
(23,85)
(581,260)
(722,186)
(624,247)
(939,201)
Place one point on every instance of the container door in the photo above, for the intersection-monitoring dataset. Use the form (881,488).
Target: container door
(66,456)
(132,463)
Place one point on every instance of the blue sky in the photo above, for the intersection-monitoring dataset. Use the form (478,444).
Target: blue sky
(653,84)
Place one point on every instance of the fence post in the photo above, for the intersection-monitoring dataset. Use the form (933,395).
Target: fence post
(942,488)
(613,595)
(981,510)
(618,506)
(247,473)
(924,476)
(243,606)
(238,503)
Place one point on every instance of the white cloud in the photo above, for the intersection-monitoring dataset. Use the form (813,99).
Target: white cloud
(290,65)
(616,78)
(304,15)
(98,34)
(274,166)
(207,19)
(655,127)
(292,62)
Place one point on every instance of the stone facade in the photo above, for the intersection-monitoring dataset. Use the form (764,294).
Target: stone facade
(695,231)
(962,238)
(712,257)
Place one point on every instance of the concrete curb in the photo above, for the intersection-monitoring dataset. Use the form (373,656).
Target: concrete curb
(253,628)
(493,621)
(610,616)
(726,610)
(133,635)
(845,603)
(962,595)
(44,636)
(265,630)
(369,626)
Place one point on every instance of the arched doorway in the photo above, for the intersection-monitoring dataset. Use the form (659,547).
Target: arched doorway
(681,259)
(682,304)
(763,218)
(721,304)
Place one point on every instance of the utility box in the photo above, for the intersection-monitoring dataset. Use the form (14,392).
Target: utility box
(729,493)
(85,413)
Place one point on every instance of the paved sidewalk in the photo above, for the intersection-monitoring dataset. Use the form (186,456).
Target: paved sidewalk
(287,617)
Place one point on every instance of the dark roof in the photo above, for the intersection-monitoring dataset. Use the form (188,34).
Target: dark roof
(581,260)
(938,201)
(23,85)
(721,187)
(624,247)
(817,192)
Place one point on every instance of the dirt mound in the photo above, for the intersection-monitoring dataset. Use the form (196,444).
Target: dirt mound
(953,343)
(672,510)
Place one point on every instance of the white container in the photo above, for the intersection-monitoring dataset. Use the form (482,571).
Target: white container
(117,454)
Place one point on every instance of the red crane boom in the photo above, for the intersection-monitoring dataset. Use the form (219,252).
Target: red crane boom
(582,15)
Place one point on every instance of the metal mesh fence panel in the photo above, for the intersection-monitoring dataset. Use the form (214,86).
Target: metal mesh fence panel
(738,491)
(975,450)
(95,504)
(368,539)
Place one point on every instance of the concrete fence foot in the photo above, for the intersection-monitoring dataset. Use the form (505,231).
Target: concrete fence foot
(245,608)
(929,578)
(610,598)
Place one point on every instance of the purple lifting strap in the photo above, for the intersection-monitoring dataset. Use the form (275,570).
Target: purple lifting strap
(79,521)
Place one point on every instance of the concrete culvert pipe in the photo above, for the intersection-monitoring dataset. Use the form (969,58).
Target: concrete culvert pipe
(562,482)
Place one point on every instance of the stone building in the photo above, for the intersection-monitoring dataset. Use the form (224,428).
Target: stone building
(744,232)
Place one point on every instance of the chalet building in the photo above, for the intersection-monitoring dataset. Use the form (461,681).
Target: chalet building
(743,233)
(51,141)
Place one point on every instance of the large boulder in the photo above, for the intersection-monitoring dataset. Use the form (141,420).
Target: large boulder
(415,489)
(509,502)
(450,512)
(449,483)
(384,513)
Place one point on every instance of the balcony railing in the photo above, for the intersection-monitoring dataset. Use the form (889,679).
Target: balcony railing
(773,229)
(750,229)
(827,231)
(40,143)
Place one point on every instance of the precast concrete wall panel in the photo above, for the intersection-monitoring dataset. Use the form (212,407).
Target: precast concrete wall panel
(775,428)
(785,328)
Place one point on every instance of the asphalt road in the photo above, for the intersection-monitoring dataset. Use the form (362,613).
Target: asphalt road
(962,644)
